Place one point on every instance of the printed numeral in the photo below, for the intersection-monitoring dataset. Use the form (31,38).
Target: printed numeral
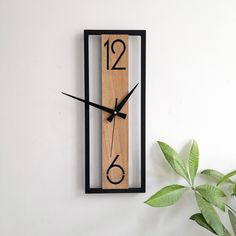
(107,45)
(113,165)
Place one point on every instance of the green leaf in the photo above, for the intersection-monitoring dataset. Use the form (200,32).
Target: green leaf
(210,215)
(202,222)
(216,175)
(167,196)
(226,232)
(174,160)
(212,194)
(226,177)
(234,191)
(232,220)
(231,209)
(193,161)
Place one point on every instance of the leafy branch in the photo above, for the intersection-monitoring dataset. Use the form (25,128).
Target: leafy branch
(207,196)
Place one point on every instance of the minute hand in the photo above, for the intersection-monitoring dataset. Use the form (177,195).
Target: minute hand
(121,104)
(109,110)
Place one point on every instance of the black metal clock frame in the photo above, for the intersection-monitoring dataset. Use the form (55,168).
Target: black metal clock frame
(141,33)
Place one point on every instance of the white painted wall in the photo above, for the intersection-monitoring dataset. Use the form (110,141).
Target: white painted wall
(191,82)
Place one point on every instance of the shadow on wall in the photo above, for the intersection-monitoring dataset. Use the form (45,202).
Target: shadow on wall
(79,84)
(160,169)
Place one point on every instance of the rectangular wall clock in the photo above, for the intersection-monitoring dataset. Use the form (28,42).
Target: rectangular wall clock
(114,63)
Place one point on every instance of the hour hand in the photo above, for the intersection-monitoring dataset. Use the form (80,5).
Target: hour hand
(103,108)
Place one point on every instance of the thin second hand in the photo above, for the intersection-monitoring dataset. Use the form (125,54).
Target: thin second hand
(113,130)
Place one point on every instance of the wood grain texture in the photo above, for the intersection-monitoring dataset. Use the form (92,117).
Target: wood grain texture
(114,85)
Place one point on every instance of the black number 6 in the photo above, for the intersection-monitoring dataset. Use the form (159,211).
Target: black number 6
(113,165)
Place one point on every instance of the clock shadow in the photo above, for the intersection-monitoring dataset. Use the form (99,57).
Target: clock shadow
(79,136)
(95,115)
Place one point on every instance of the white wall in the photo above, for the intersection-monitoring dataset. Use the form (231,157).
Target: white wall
(191,82)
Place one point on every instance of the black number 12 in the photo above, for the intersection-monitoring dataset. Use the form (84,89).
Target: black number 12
(107,44)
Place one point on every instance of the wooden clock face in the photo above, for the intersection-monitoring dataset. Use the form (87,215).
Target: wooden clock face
(114,101)
(114,57)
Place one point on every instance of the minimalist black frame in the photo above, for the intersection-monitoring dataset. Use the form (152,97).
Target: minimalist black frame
(141,33)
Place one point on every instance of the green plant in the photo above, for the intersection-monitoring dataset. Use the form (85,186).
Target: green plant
(208,196)
(221,179)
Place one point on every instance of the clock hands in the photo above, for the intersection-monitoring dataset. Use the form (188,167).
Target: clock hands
(106,109)
(121,104)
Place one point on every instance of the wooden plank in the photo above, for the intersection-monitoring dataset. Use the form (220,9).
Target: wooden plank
(114,53)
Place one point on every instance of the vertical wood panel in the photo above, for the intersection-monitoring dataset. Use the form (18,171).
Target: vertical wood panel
(114,85)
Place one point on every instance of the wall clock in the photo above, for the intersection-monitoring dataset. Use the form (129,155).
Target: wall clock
(114,63)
